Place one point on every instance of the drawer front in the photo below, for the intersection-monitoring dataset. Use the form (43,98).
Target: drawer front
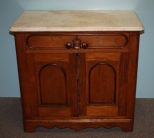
(48,41)
(76,40)
(105,40)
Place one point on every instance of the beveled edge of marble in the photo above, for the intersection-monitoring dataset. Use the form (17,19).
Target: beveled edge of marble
(75,29)
(140,26)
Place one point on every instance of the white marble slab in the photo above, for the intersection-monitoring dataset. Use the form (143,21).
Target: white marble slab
(38,21)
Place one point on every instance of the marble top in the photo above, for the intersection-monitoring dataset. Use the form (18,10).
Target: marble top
(50,21)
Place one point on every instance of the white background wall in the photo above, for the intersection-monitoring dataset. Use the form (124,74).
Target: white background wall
(11,9)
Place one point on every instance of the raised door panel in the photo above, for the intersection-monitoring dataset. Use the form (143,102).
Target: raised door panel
(53,84)
(104,74)
(104,91)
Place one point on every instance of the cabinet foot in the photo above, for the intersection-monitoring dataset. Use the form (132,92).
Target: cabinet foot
(127,128)
(29,129)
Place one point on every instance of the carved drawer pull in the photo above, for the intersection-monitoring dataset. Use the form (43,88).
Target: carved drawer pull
(76,44)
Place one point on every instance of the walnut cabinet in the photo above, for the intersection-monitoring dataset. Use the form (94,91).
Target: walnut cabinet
(77,79)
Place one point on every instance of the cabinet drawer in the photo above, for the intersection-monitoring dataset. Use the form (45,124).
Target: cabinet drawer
(47,41)
(93,41)
(105,40)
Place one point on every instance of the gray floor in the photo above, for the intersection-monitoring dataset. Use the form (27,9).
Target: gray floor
(11,124)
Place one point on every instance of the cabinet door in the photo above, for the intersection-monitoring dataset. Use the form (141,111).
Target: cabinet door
(106,85)
(53,84)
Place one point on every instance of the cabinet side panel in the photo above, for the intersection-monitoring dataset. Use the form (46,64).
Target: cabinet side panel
(132,76)
(27,96)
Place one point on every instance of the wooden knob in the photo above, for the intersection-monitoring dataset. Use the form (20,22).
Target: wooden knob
(69,45)
(84,45)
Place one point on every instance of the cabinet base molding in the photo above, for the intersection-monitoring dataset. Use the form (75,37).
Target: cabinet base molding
(126,125)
